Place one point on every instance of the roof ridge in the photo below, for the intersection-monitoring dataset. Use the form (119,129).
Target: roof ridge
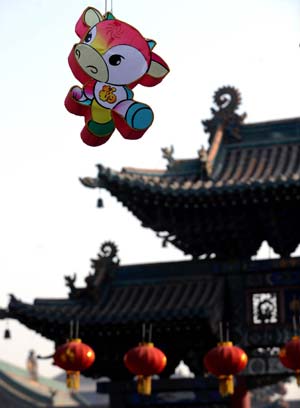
(272,122)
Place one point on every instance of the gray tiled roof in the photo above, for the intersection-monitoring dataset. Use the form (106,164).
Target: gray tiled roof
(268,154)
(132,302)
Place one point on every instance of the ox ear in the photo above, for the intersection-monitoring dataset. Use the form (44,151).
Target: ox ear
(157,70)
(88,19)
(91,17)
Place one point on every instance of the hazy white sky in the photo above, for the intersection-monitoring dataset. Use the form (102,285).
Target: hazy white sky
(50,225)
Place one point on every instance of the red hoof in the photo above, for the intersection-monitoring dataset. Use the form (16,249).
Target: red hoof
(75,107)
(126,131)
(91,140)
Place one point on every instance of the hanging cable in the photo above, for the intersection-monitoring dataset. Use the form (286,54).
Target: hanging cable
(227,331)
(221,331)
(150,333)
(294,325)
(77,329)
(71,329)
(111,6)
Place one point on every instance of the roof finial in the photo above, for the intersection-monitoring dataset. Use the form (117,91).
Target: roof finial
(202,154)
(168,154)
(227,100)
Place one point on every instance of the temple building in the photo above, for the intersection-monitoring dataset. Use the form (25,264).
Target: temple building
(218,207)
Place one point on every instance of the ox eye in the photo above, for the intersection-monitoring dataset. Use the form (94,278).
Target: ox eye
(115,59)
(90,36)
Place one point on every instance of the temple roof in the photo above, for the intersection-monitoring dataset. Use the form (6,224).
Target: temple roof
(137,302)
(129,294)
(245,166)
(187,299)
(118,300)
(267,156)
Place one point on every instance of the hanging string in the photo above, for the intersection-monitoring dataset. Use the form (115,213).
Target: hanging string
(150,333)
(221,331)
(71,329)
(294,325)
(227,331)
(143,332)
(77,329)
(111,6)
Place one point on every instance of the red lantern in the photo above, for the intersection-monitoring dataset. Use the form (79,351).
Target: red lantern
(224,361)
(289,356)
(144,361)
(74,356)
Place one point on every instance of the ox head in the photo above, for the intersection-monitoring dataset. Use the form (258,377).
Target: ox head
(114,52)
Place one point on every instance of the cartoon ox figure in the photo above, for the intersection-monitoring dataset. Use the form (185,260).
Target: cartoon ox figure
(111,59)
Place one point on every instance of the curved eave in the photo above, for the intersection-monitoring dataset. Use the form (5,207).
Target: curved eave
(128,304)
(109,179)
(238,169)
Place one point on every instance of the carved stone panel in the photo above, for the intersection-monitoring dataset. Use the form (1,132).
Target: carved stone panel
(265,308)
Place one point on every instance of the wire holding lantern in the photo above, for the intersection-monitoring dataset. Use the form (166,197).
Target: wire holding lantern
(74,357)
(144,361)
(225,361)
(289,354)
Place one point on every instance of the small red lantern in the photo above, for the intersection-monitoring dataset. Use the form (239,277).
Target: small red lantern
(144,361)
(289,356)
(224,361)
(74,356)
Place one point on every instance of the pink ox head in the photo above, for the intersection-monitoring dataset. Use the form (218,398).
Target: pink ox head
(114,52)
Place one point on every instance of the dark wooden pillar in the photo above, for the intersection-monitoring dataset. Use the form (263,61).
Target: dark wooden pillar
(241,396)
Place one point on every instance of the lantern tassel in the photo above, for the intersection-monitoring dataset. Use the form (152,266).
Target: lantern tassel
(226,385)
(73,380)
(144,385)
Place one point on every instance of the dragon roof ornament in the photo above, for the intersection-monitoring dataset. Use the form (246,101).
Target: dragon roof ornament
(227,99)
(103,271)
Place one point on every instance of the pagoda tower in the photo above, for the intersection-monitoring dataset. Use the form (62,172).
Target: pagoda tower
(217,207)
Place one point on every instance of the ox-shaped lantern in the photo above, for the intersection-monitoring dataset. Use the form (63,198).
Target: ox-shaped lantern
(111,58)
